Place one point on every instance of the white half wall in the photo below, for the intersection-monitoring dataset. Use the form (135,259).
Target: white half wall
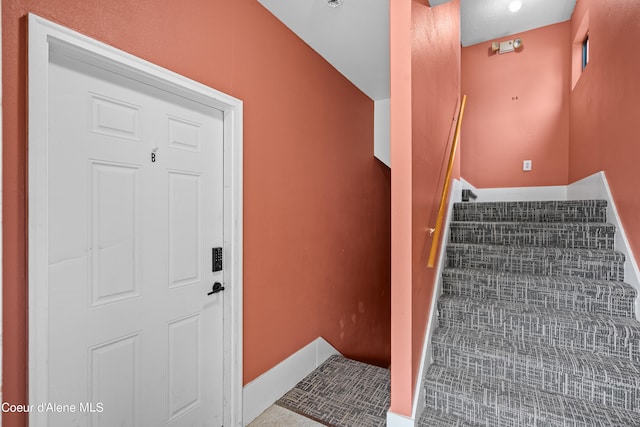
(517,194)
(596,186)
(521,194)
(265,390)
(382,131)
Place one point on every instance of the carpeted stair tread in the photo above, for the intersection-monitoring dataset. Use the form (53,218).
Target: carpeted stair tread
(494,402)
(543,211)
(594,377)
(586,263)
(613,336)
(559,292)
(433,418)
(558,235)
(536,325)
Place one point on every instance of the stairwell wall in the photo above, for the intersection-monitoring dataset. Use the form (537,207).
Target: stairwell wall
(605,106)
(518,109)
(317,215)
(425,90)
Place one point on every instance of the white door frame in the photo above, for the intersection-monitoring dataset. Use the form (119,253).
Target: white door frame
(45,36)
(1,227)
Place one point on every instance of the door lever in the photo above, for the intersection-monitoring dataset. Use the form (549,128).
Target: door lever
(217,287)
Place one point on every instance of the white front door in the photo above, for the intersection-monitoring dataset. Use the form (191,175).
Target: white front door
(135,207)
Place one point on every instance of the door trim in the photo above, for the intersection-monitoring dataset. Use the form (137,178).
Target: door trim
(45,36)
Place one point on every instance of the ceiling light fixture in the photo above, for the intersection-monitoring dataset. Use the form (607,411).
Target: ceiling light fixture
(334,3)
(515,5)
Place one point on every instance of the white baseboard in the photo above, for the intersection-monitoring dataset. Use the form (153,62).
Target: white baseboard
(521,194)
(265,390)
(592,187)
(397,420)
(517,194)
(596,186)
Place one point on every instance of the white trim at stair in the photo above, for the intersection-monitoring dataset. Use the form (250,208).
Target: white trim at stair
(596,186)
(521,194)
(517,194)
(397,420)
(263,392)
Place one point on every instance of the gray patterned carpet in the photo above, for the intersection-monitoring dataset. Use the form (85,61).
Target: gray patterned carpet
(536,324)
(342,393)
(536,328)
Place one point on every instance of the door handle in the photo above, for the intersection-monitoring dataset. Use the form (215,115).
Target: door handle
(217,287)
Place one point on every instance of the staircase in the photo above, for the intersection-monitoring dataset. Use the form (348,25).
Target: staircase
(536,324)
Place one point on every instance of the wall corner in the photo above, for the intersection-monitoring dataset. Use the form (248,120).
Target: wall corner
(382,131)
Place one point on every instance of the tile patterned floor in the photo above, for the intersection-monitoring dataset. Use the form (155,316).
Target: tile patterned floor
(277,416)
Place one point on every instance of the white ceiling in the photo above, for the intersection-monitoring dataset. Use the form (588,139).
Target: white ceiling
(484,20)
(354,37)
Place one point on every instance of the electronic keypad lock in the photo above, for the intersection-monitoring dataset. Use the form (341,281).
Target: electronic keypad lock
(216,259)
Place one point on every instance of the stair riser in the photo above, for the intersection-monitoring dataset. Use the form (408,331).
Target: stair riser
(432,418)
(520,261)
(573,211)
(544,375)
(494,402)
(522,327)
(600,300)
(576,236)
(493,410)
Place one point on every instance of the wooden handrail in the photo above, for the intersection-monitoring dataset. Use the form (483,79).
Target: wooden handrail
(445,191)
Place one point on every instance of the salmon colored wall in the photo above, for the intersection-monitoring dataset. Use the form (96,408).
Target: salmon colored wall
(400,36)
(518,109)
(425,89)
(401,201)
(436,94)
(317,203)
(605,105)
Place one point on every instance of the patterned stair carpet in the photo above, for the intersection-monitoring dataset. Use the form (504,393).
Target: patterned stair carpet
(536,325)
(342,393)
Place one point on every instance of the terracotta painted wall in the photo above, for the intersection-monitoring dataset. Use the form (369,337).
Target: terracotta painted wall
(317,215)
(425,90)
(518,109)
(605,106)
(400,36)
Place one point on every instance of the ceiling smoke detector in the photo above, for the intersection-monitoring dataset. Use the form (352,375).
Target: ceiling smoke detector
(334,3)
